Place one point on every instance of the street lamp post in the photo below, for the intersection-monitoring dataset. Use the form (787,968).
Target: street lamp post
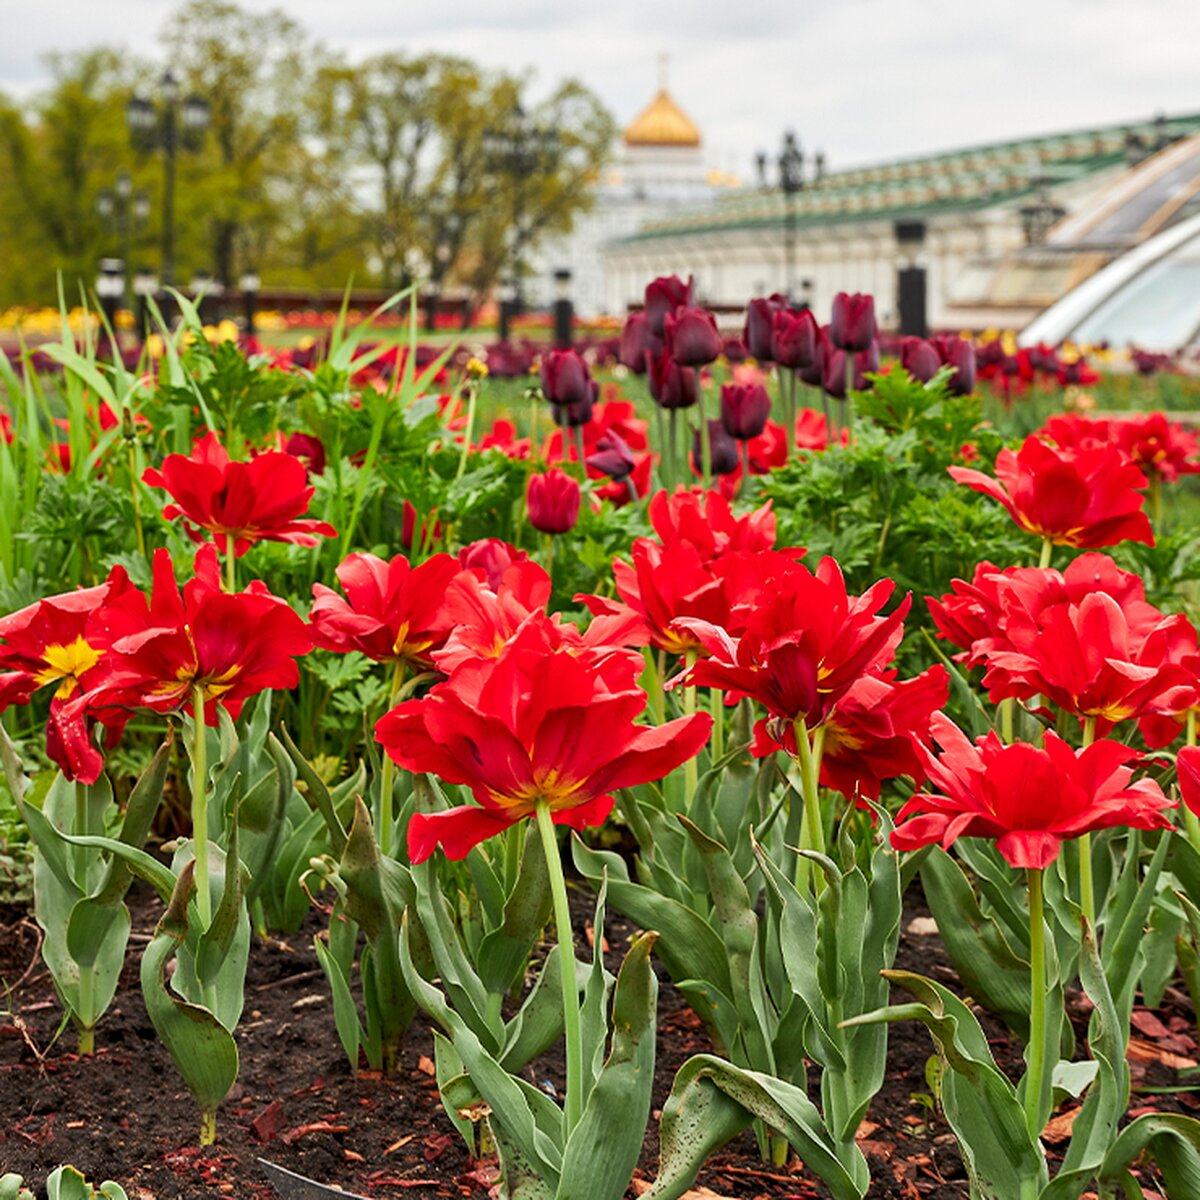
(123,210)
(171,125)
(517,149)
(790,168)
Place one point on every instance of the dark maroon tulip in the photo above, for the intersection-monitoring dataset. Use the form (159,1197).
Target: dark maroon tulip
(852,323)
(579,413)
(613,457)
(636,339)
(565,377)
(553,501)
(794,338)
(834,381)
(723,450)
(309,450)
(958,353)
(663,296)
(919,359)
(491,556)
(760,326)
(990,354)
(745,408)
(671,385)
(814,373)
(692,337)
(734,350)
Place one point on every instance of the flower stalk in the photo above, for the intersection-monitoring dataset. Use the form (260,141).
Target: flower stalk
(200,805)
(1037,1004)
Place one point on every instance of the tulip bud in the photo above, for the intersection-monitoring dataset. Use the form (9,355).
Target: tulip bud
(723,450)
(745,408)
(553,501)
(309,450)
(919,359)
(663,296)
(692,337)
(636,339)
(852,323)
(613,457)
(760,320)
(492,557)
(671,385)
(794,338)
(565,377)
(579,413)
(958,353)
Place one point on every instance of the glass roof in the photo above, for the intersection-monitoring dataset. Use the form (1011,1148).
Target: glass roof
(1148,297)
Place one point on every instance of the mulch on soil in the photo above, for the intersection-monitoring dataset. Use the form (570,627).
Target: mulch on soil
(125,1115)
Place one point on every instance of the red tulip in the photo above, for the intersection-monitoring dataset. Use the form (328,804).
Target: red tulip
(394,612)
(538,724)
(230,645)
(309,450)
(1187,763)
(802,641)
(1088,499)
(852,322)
(708,523)
(553,501)
(691,337)
(490,557)
(663,296)
(1029,800)
(56,643)
(259,500)
(872,734)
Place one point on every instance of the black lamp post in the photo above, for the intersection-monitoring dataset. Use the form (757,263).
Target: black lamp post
(911,280)
(123,210)
(517,150)
(171,125)
(790,168)
(1038,216)
(564,310)
(251,285)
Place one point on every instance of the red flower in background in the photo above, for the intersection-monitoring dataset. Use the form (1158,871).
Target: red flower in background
(1163,449)
(230,645)
(1030,800)
(537,724)
(394,612)
(259,500)
(491,557)
(1086,499)
(553,500)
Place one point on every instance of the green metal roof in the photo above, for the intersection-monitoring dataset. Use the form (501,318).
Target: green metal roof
(963,180)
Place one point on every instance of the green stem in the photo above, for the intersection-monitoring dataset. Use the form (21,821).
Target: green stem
(1007,708)
(468,433)
(745,448)
(566,954)
(812,834)
(1047,550)
(580,452)
(534,393)
(705,443)
(716,706)
(208,1127)
(230,563)
(87,975)
(1191,823)
(691,768)
(137,503)
(387,774)
(1087,890)
(847,411)
(1037,1005)
(200,805)
(664,455)
(673,447)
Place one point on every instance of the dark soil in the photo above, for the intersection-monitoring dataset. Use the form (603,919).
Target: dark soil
(125,1115)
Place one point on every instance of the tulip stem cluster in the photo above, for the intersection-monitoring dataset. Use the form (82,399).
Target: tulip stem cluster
(385,817)
(1087,889)
(1037,1004)
(812,834)
(566,963)
(200,805)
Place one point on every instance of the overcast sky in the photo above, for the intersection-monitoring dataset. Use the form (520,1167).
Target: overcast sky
(863,79)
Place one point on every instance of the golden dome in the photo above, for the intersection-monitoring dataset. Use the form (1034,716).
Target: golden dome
(662,123)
